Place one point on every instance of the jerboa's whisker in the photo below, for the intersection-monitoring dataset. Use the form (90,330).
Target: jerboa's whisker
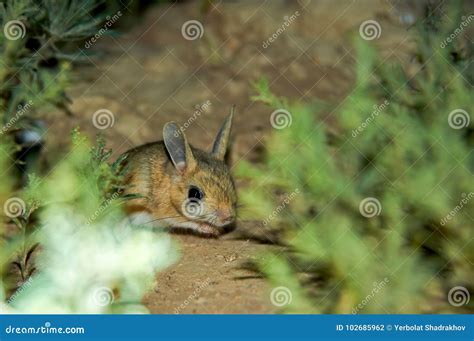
(178,216)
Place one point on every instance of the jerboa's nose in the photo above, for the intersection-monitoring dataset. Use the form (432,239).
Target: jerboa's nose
(225,215)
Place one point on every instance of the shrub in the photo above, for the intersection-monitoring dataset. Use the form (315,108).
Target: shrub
(382,217)
(90,259)
(36,47)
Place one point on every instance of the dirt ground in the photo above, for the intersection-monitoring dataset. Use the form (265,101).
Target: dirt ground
(211,278)
(151,75)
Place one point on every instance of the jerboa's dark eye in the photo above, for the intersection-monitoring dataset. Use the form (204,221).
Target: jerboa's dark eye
(195,193)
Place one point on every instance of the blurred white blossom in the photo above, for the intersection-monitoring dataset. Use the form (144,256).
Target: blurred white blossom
(77,259)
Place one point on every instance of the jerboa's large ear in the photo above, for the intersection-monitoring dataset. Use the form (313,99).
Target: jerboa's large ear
(178,148)
(221,142)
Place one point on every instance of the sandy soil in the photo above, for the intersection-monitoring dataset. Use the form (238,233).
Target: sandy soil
(211,278)
(152,75)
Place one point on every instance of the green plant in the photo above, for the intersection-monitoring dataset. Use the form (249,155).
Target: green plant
(91,260)
(65,244)
(35,44)
(366,231)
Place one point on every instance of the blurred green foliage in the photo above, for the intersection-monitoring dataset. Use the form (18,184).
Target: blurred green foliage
(65,244)
(35,43)
(393,140)
(35,50)
(90,259)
